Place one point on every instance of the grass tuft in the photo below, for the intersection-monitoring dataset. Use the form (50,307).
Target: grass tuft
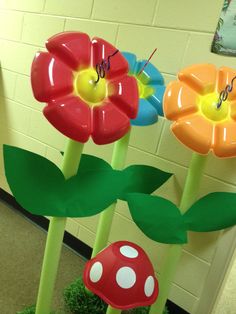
(79,301)
(28,310)
(31,310)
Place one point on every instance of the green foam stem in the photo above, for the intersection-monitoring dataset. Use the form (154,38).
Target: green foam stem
(193,180)
(70,164)
(112,310)
(174,251)
(106,217)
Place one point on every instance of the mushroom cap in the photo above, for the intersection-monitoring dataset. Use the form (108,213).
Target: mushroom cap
(122,275)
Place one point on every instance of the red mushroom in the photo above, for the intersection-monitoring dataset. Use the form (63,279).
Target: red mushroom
(122,275)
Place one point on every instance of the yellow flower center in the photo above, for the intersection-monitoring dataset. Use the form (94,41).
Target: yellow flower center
(86,88)
(208,105)
(144,91)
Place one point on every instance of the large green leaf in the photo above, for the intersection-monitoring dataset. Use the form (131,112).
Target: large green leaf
(143,179)
(158,218)
(214,211)
(40,187)
(92,163)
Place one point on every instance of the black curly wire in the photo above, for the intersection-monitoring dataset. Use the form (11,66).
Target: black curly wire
(104,66)
(225,93)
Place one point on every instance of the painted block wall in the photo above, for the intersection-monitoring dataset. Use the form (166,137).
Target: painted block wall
(182,31)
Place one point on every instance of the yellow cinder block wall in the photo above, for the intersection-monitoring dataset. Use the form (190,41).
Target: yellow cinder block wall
(182,31)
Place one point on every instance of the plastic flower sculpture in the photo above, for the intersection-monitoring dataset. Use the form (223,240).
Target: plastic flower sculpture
(79,103)
(202,123)
(151,89)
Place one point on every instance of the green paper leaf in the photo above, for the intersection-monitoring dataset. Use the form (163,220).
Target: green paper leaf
(143,179)
(214,211)
(158,218)
(92,163)
(40,187)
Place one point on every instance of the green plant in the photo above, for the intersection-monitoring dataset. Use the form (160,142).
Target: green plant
(79,301)
(30,310)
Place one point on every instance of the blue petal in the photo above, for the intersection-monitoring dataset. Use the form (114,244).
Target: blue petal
(131,58)
(147,114)
(156,99)
(150,74)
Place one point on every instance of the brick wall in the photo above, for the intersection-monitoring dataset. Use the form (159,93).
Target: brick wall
(182,31)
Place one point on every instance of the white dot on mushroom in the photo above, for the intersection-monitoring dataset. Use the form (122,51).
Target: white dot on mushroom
(96,271)
(128,251)
(149,286)
(126,277)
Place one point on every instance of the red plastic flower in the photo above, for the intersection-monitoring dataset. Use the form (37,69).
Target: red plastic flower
(78,106)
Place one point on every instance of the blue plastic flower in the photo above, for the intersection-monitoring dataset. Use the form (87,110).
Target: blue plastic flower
(151,90)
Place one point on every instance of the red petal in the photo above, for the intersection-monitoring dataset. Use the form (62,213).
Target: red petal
(50,78)
(73,48)
(101,50)
(71,116)
(123,93)
(109,124)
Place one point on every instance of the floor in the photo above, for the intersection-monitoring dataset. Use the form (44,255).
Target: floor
(227,300)
(21,252)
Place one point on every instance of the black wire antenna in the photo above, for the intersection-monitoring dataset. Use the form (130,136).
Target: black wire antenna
(225,93)
(104,66)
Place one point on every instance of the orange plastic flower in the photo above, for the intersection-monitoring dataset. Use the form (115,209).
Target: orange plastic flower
(191,102)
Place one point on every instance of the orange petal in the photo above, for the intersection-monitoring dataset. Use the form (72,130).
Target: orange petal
(200,77)
(179,101)
(225,76)
(233,110)
(195,132)
(225,139)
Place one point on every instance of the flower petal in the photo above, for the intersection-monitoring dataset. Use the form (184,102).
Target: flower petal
(156,99)
(131,59)
(123,93)
(195,132)
(72,48)
(101,51)
(200,77)
(150,74)
(225,139)
(71,116)
(147,114)
(50,78)
(233,110)
(109,124)
(225,76)
(179,101)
